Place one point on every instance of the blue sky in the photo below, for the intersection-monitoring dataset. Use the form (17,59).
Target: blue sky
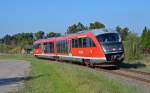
(56,15)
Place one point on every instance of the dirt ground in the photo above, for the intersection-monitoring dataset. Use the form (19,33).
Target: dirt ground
(12,74)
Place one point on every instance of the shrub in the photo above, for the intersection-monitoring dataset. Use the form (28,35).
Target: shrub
(132,45)
(5,48)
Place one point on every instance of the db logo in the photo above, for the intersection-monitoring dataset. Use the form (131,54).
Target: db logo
(80,52)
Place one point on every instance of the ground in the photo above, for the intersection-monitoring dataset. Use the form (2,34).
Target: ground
(12,73)
(54,77)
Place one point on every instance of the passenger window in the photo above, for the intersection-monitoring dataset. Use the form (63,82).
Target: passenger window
(73,43)
(62,46)
(90,43)
(45,48)
(36,46)
(49,47)
(76,43)
(82,43)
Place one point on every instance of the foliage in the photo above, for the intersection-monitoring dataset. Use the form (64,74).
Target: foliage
(132,47)
(123,32)
(5,48)
(39,35)
(52,34)
(76,28)
(145,38)
(96,25)
(18,41)
(80,27)
(16,50)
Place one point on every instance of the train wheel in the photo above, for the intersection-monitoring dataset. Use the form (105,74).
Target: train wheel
(87,64)
(91,65)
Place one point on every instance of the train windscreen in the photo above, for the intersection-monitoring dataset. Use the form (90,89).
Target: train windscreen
(108,37)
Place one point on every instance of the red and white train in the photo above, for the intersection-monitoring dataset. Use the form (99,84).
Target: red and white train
(92,47)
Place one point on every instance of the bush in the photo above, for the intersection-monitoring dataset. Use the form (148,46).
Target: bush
(5,48)
(133,48)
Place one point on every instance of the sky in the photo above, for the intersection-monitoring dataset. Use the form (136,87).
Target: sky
(18,16)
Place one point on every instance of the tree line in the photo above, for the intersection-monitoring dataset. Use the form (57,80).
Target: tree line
(22,39)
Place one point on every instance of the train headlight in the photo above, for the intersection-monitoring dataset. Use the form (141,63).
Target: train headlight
(120,48)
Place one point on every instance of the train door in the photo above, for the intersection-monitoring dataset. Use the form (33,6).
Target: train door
(69,47)
(42,47)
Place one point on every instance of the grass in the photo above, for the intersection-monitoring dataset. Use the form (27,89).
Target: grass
(53,77)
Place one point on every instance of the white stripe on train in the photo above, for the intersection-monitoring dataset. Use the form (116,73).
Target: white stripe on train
(100,58)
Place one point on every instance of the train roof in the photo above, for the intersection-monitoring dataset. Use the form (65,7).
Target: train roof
(95,32)
(102,31)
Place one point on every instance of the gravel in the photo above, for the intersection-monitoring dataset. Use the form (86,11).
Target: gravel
(12,74)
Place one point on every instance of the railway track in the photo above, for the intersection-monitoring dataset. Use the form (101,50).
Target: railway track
(131,74)
(138,72)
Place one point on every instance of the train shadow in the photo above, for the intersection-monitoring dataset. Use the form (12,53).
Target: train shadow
(123,65)
(131,65)
(16,80)
(107,67)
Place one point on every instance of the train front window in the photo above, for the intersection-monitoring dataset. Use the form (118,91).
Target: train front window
(108,37)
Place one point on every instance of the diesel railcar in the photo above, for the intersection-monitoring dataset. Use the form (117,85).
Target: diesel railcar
(90,47)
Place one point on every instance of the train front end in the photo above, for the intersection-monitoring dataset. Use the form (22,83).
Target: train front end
(112,46)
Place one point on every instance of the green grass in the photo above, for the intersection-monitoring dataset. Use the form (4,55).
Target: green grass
(53,77)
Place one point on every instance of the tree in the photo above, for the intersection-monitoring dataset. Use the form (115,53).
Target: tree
(1,41)
(118,29)
(57,34)
(39,35)
(52,34)
(22,39)
(123,32)
(145,38)
(72,29)
(81,27)
(96,25)
(76,28)
(132,46)
(7,39)
(18,40)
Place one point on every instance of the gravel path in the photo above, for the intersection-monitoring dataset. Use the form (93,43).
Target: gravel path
(12,74)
